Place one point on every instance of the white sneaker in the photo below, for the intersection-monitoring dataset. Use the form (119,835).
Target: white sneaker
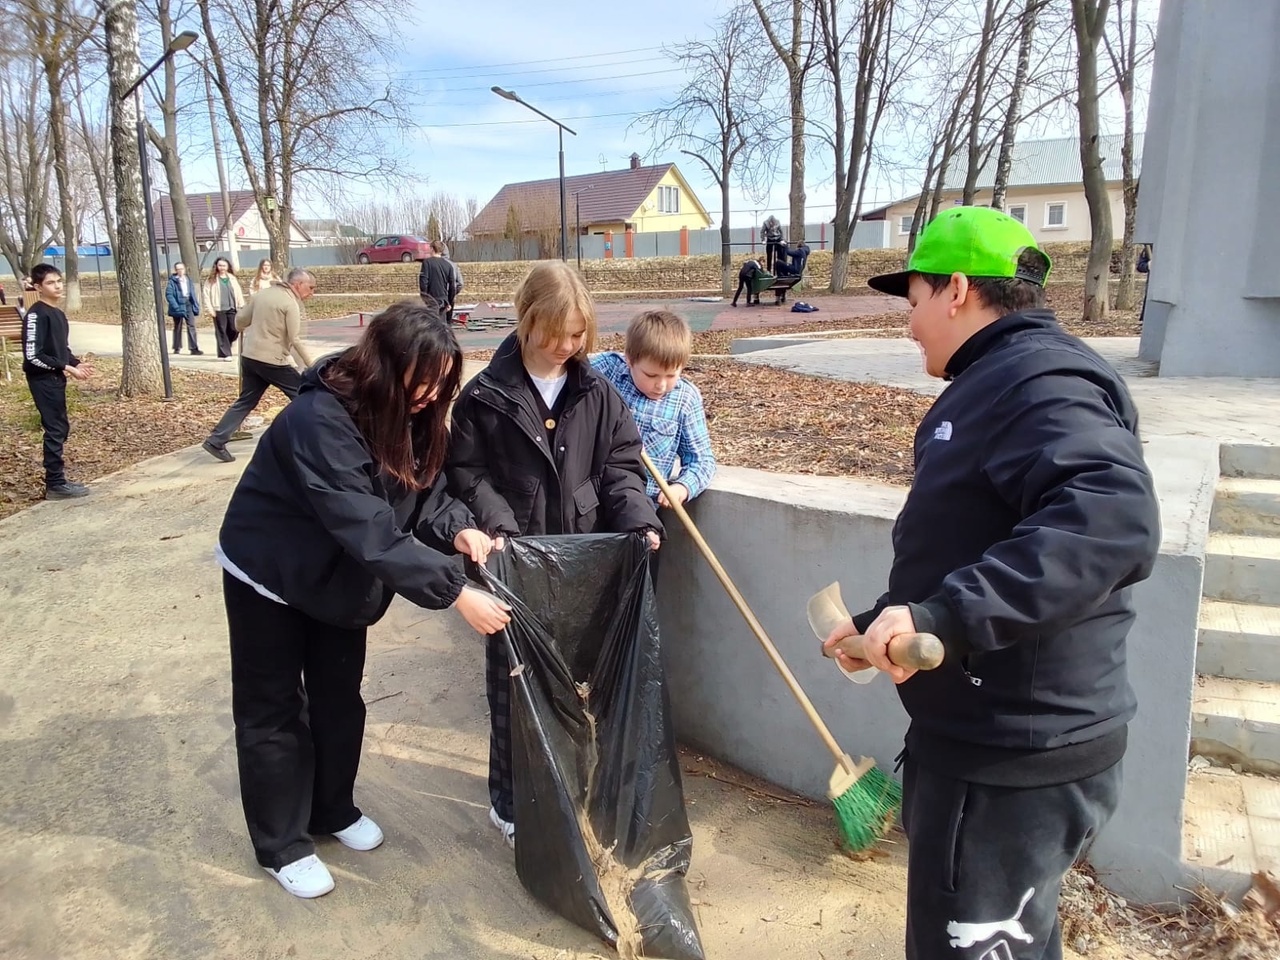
(364,834)
(307,878)
(508,830)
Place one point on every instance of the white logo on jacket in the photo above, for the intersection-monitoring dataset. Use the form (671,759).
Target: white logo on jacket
(964,935)
(942,431)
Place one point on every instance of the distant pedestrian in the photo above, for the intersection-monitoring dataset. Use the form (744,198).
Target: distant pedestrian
(265,276)
(746,278)
(771,230)
(442,251)
(436,283)
(223,299)
(47,361)
(271,325)
(184,307)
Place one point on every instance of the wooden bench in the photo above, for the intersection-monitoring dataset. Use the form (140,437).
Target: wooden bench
(10,329)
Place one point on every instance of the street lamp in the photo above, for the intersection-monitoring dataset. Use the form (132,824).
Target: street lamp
(183,40)
(577,216)
(564,226)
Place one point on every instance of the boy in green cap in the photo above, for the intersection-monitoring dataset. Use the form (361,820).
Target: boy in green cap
(1030,518)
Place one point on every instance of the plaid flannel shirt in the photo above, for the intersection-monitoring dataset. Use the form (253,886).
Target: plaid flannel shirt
(670,428)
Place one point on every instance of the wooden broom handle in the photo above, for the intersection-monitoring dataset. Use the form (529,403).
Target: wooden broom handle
(841,757)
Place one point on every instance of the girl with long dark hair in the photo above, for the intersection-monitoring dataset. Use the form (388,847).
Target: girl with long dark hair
(223,299)
(332,517)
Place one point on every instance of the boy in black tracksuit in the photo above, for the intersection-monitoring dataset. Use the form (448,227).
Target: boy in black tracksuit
(1031,517)
(47,361)
(750,270)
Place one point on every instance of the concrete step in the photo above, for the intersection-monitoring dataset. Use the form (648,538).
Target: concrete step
(1239,640)
(1250,460)
(1247,505)
(1243,569)
(1231,827)
(1237,722)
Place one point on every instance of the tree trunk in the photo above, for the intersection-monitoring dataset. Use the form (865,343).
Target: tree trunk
(187,249)
(726,252)
(1125,64)
(796,196)
(1004,162)
(1089,19)
(979,102)
(142,375)
(62,170)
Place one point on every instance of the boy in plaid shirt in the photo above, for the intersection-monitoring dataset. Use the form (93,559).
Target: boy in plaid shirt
(668,409)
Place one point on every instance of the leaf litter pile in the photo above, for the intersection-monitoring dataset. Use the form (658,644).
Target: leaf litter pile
(107,433)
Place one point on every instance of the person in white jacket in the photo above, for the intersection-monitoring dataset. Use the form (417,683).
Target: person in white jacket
(223,299)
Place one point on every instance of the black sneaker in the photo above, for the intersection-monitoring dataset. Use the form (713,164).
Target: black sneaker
(218,453)
(65,491)
(197,353)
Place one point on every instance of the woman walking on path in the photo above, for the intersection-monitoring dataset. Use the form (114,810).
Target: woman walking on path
(332,518)
(223,299)
(265,276)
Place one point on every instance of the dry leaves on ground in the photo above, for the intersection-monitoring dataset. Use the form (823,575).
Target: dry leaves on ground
(107,433)
(791,423)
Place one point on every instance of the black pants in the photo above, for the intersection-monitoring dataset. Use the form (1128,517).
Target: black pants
(771,248)
(190,322)
(224,331)
(295,699)
(255,377)
(985,864)
(744,283)
(49,391)
(497,683)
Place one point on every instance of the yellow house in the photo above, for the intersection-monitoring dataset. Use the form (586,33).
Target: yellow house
(1045,191)
(637,198)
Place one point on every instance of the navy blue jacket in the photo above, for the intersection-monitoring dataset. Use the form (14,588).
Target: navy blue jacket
(180,308)
(1031,516)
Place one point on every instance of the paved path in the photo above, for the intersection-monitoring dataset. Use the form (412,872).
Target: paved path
(1225,409)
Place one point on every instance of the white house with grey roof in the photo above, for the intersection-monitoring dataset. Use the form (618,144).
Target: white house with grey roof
(1046,190)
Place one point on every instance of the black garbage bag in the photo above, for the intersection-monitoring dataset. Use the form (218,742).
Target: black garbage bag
(601,832)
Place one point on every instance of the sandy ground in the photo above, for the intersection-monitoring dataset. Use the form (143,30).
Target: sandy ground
(121,834)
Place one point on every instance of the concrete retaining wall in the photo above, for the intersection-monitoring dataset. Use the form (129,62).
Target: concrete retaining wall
(782,538)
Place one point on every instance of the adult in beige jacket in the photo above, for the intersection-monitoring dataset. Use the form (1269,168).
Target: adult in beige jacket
(270,339)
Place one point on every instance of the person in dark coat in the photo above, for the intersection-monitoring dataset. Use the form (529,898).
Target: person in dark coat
(183,307)
(1031,518)
(799,258)
(341,507)
(437,280)
(543,444)
(746,276)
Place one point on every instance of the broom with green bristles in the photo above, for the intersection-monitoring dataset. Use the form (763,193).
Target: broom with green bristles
(866,801)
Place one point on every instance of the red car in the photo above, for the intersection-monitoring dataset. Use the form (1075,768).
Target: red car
(403,247)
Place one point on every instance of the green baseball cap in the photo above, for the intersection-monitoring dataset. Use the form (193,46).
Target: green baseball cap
(975,241)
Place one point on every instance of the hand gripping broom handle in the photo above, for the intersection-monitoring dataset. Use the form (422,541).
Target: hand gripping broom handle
(841,757)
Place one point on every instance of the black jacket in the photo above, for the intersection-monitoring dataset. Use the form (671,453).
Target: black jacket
(437,280)
(317,523)
(1031,517)
(500,467)
(45,351)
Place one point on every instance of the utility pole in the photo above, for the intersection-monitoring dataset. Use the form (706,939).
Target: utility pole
(222,177)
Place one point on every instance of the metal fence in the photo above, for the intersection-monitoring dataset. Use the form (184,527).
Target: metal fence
(743,242)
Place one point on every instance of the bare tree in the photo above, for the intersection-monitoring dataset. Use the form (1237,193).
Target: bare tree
(983,68)
(25,160)
(451,215)
(1004,160)
(716,117)
(513,230)
(797,54)
(1127,53)
(945,144)
(142,372)
(57,30)
(1089,18)
(167,144)
(299,113)
(866,57)
(91,136)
